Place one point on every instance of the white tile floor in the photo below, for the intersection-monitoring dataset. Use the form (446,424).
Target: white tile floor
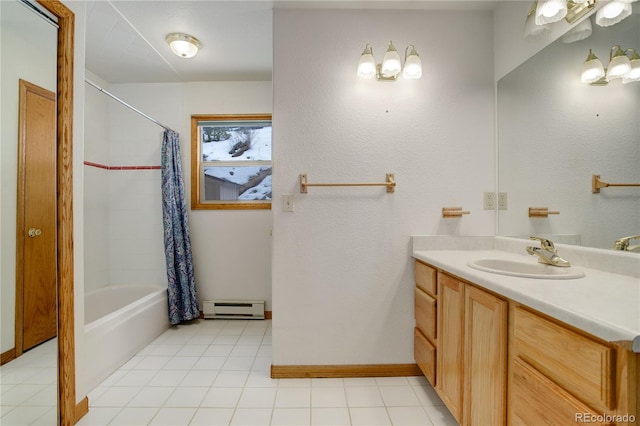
(28,391)
(216,372)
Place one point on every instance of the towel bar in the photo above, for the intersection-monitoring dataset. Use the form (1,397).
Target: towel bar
(390,183)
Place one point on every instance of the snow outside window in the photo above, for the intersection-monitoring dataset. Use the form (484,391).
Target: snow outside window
(231,161)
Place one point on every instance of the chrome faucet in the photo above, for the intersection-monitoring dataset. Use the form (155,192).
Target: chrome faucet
(623,243)
(547,253)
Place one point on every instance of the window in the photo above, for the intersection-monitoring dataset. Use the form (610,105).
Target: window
(231,161)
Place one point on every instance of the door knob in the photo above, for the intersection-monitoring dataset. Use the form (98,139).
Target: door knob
(33,232)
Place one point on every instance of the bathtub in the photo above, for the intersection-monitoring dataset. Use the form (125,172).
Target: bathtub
(120,320)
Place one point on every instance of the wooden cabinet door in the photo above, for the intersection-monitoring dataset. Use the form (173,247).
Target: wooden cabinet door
(537,400)
(485,343)
(450,341)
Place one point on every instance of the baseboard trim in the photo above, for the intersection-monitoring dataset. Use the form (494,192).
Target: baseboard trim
(331,371)
(82,408)
(7,356)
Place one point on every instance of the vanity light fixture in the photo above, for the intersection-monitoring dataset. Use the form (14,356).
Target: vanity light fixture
(545,12)
(623,64)
(391,65)
(183,45)
(613,12)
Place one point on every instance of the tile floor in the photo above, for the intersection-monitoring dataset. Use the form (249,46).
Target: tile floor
(216,372)
(28,391)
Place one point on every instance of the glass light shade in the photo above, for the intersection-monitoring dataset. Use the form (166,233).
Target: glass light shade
(366,64)
(531,30)
(618,67)
(183,45)
(634,71)
(391,65)
(412,65)
(613,12)
(592,70)
(550,11)
(580,32)
(366,67)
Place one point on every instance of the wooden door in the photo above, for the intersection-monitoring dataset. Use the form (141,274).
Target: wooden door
(36,303)
(485,358)
(450,340)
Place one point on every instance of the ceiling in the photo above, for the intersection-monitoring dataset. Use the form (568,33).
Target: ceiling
(125,40)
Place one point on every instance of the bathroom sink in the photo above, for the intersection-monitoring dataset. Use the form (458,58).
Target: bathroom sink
(526,269)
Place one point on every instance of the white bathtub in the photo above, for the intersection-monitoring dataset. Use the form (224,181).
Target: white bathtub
(119,322)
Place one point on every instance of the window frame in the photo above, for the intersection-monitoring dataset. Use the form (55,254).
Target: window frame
(197,166)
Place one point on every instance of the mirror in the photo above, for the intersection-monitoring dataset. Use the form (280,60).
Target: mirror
(68,410)
(555,133)
(28,53)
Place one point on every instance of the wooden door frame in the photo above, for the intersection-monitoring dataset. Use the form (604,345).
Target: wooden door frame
(68,414)
(25,87)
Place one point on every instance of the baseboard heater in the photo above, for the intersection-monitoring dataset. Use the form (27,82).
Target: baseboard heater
(233,309)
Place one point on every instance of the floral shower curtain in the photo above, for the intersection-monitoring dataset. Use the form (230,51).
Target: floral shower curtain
(183,303)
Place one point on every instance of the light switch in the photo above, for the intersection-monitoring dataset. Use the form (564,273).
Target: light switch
(287,202)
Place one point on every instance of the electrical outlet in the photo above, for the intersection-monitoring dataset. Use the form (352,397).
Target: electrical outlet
(502,200)
(489,200)
(287,202)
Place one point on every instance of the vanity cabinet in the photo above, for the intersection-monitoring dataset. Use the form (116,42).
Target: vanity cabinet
(494,361)
(563,376)
(472,352)
(460,345)
(425,315)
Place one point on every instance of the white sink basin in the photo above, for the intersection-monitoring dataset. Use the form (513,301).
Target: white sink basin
(526,269)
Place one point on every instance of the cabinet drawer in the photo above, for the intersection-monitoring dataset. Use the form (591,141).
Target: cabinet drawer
(425,313)
(425,355)
(580,365)
(425,277)
(537,400)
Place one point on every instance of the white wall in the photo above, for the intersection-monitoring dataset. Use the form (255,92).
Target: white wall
(231,249)
(342,271)
(28,46)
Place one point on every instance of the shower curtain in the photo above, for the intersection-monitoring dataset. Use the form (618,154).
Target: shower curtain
(183,303)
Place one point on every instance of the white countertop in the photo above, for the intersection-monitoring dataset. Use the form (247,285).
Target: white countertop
(602,303)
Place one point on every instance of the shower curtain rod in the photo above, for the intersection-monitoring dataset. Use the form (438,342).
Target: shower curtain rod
(111,95)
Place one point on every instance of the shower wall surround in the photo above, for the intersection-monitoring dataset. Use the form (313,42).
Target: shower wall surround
(124,231)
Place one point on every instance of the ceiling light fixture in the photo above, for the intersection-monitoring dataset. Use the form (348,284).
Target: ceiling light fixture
(623,64)
(183,45)
(391,64)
